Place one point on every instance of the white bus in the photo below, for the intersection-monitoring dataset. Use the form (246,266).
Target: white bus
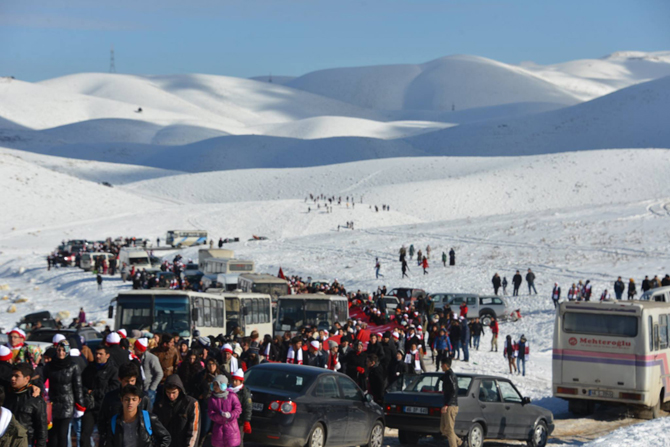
(224,273)
(263,283)
(313,309)
(249,312)
(613,352)
(169,311)
(186,238)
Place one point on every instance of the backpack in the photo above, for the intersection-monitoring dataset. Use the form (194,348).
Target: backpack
(145,416)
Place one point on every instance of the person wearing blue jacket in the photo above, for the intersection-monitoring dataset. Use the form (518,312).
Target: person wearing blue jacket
(442,345)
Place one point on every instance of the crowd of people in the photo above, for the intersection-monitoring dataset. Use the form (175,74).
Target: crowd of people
(140,385)
(583,290)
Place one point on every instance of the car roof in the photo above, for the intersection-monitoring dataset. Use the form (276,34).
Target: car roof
(304,370)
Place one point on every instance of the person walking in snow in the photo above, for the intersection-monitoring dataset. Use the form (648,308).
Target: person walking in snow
(510,353)
(494,334)
(444,259)
(619,287)
(556,295)
(419,257)
(404,268)
(378,268)
(411,251)
(452,257)
(530,279)
(516,280)
(632,290)
(496,283)
(428,251)
(424,265)
(98,279)
(523,351)
(504,285)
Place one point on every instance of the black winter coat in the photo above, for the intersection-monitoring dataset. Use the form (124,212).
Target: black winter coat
(450,388)
(377,383)
(378,350)
(65,388)
(181,417)
(244,396)
(517,280)
(159,438)
(119,355)
(354,361)
(31,412)
(99,381)
(112,405)
(274,352)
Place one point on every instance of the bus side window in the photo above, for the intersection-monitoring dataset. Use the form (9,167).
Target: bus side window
(651,334)
(663,329)
(198,305)
(255,311)
(207,312)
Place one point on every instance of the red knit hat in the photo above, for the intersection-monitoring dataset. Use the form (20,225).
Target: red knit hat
(5,354)
(141,344)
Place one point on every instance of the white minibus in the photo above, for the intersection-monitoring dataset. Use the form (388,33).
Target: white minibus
(613,352)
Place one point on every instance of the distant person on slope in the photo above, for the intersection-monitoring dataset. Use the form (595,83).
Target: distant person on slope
(516,280)
(424,265)
(452,257)
(378,268)
(496,283)
(530,279)
(632,290)
(404,269)
(556,294)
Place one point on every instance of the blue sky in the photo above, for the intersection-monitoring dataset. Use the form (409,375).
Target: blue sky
(41,39)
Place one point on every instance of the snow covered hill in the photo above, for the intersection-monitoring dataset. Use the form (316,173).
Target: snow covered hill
(632,117)
(463,82)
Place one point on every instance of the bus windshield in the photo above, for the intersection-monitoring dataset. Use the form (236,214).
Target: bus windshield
(296,313)
(600,324)
(274,290)
(170,314)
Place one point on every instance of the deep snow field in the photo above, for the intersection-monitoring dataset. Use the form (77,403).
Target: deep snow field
(563,169)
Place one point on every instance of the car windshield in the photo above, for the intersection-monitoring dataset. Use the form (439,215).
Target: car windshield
(277,380)
(138,260)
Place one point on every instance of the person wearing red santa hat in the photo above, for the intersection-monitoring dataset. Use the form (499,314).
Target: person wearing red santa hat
(16,343)
(244,396)
(6,358)
(119,355)
(122,333)
(229,364)
(152,372)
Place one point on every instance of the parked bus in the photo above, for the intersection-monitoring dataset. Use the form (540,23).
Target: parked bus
(249,312)
(613,352)
(224,273)
(313,309)
(263,283)
(186,238)
(161,311)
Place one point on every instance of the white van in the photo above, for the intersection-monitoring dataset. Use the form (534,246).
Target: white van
(659,294)
(134,257)
(87,261)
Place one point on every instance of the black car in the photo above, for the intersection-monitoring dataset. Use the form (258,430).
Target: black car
(489,407)
(296,406)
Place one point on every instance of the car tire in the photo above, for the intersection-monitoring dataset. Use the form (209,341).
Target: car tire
(475,436)
(376,438)
(317,437)
(408,437)
(539,436)
(486,319)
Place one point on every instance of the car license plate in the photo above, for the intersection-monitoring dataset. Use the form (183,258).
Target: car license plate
(257,406)
(600,393)
(416,410)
